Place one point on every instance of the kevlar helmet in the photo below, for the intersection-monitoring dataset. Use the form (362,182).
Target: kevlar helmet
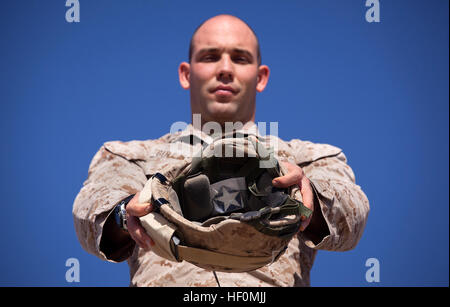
(219,211)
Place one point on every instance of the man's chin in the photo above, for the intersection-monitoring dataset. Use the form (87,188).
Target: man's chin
(222,112)
(223,106)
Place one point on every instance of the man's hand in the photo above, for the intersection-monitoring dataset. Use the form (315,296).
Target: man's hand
(135,229)
(296,176)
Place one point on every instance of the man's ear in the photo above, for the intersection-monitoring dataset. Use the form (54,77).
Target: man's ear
(263,77)
(183,73)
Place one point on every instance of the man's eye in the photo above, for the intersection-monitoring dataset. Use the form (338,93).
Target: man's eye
(241,59)
(209,58)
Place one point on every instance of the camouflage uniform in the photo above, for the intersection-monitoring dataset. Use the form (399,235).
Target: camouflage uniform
(120,169)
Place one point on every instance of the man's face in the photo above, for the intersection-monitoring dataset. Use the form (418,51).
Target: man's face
(224,74)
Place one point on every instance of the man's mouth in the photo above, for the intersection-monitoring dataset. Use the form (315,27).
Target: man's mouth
(224,91)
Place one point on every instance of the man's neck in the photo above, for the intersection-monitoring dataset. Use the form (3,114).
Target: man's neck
(199,123)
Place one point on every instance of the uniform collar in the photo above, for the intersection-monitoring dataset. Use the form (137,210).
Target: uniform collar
(194,136)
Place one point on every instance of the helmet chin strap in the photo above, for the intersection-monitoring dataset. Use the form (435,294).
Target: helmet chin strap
(217,280)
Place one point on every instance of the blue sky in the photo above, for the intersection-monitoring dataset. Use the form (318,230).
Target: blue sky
(379,91)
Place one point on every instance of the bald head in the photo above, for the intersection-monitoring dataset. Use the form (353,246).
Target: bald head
(225,23)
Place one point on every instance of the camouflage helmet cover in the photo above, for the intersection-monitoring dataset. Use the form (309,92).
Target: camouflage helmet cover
(218,210)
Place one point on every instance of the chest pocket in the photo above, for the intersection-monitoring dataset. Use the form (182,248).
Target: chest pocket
(151,155)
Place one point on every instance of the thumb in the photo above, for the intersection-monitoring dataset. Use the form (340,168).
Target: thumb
(139,209)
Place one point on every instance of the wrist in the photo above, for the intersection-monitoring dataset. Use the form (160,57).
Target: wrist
(120,213)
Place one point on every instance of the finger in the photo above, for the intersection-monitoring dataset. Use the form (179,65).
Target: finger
(307,193)
(135,235)
(138,233)
(308,201)
(293,176)
(143,242)
(137,209)
(288,180)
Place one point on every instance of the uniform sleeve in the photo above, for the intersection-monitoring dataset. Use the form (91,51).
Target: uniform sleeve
(111,178)
(343,205)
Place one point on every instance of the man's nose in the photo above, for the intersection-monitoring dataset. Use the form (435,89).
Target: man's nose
(225,71)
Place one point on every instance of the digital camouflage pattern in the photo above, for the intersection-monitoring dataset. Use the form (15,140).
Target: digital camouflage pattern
(122,168)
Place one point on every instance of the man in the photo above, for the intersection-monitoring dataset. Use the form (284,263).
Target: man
(223,75)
